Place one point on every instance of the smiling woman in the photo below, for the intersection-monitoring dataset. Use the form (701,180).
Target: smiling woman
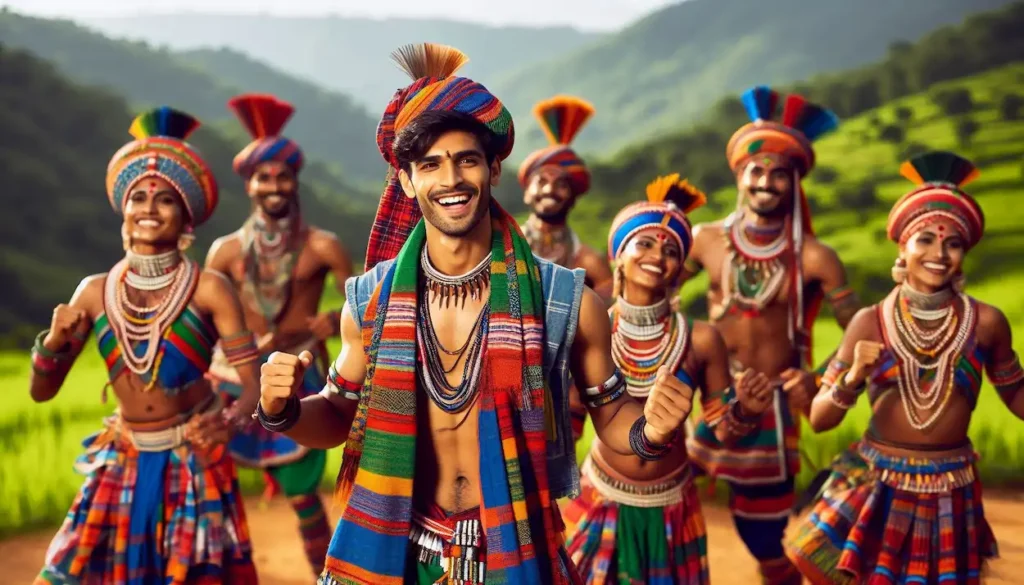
(159,466)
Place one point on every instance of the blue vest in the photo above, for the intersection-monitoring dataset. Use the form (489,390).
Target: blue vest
(563,289)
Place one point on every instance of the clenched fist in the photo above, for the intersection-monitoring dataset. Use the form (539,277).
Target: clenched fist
(799,385)
(62,326)
(865,354)
(667,407)
(754,391)
(280,378)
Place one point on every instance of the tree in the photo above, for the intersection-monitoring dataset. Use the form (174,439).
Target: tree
(825,175)
(861,197)
(1010,106)
(966,128)
(892,134)
(954,102)
(904,114)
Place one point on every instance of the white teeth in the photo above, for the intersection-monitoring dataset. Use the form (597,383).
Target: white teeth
(934,266)
(148,223)
(453,200)
(650,268)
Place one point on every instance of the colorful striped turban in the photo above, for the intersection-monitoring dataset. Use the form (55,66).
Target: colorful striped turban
(264,116)
(160,150)
(940,177)
(561,118)
(669,199)
(802,123)
(434,89)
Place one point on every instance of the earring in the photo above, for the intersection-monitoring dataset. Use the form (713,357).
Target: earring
(959,282)
(899,271)
(186,239)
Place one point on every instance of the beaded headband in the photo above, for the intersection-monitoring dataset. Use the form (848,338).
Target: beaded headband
(669,199)
(160,151)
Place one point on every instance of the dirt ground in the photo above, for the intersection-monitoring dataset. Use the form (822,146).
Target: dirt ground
(280,560)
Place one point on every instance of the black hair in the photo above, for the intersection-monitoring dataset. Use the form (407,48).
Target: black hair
(413,142)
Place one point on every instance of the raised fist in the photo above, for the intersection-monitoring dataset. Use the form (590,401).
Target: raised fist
(62,326)
(667,407)
(865,354)
(280,378)
(754,391)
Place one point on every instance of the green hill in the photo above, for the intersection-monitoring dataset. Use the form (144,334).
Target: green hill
(662,72)
(56,142)
(330,126)
(350,54)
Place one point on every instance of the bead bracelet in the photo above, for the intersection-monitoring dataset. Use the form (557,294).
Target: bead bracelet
(643,448)
(284,420)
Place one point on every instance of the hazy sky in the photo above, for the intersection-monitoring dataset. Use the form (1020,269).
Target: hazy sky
(584,14)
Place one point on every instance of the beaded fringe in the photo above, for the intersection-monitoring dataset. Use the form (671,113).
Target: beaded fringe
(919,474)
(464,563)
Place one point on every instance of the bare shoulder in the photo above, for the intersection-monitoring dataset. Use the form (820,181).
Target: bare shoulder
(992,322)
(593,321)
(323,240)
(864,324)
(588,259)
(817,252)
(707,234)
(705,336)
(224,250)
(214,286)
(89,293)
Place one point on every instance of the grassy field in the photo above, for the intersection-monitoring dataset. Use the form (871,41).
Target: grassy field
(40,441)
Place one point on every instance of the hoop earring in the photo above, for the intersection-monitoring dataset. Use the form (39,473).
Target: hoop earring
(899,271)
(186,239)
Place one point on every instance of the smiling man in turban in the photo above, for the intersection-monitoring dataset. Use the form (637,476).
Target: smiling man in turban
(451,389)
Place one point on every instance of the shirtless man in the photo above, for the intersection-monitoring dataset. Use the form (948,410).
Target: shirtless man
(279,265)
(484,428)
(553,178)
(768,274)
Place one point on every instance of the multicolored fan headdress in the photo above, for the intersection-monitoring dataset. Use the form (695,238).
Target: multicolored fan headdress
(940,177)
(791,138)
(669,199)
(561,117)
(434,88)
(160,150)
(264,116)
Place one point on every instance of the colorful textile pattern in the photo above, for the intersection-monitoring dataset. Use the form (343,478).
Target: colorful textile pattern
(767,455)
(375,483)
(185,351)
(264,116)
(258,447)
(561,118)
(612,542)
(669,199)
(170,517)
(884,519)
(940,177)
(434,89)
(160,150)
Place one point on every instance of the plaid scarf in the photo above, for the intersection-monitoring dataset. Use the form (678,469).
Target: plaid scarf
(376,479)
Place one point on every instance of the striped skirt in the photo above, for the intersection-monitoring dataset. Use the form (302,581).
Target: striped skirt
(152,511)
(636,533)
(886,519)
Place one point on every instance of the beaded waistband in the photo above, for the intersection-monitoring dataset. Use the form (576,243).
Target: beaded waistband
(921,473)
(455,542)
(164,434)
(658,493)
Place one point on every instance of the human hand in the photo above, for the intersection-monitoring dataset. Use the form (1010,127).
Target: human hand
(799,385)
(280,379)
(63,324)
(668,404)
(754,391)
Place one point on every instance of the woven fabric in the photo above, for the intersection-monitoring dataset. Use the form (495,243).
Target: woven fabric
(396,213)
(917,209)
(564,159)
(169,517)
(880,521)
(269,149)
(376,479)
(611,543)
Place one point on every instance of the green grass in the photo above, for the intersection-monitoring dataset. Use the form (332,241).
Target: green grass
(40,441)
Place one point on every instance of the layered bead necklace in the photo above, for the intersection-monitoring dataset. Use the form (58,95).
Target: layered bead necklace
(556,244)
(273,251)
(926,353)
(633,325)
(753,271)
(434,374)
(133,324)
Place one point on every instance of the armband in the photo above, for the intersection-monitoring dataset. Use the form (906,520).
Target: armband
(338,385)
(608,392)
(239,349)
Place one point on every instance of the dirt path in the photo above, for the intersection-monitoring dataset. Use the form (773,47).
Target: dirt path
(280,560)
